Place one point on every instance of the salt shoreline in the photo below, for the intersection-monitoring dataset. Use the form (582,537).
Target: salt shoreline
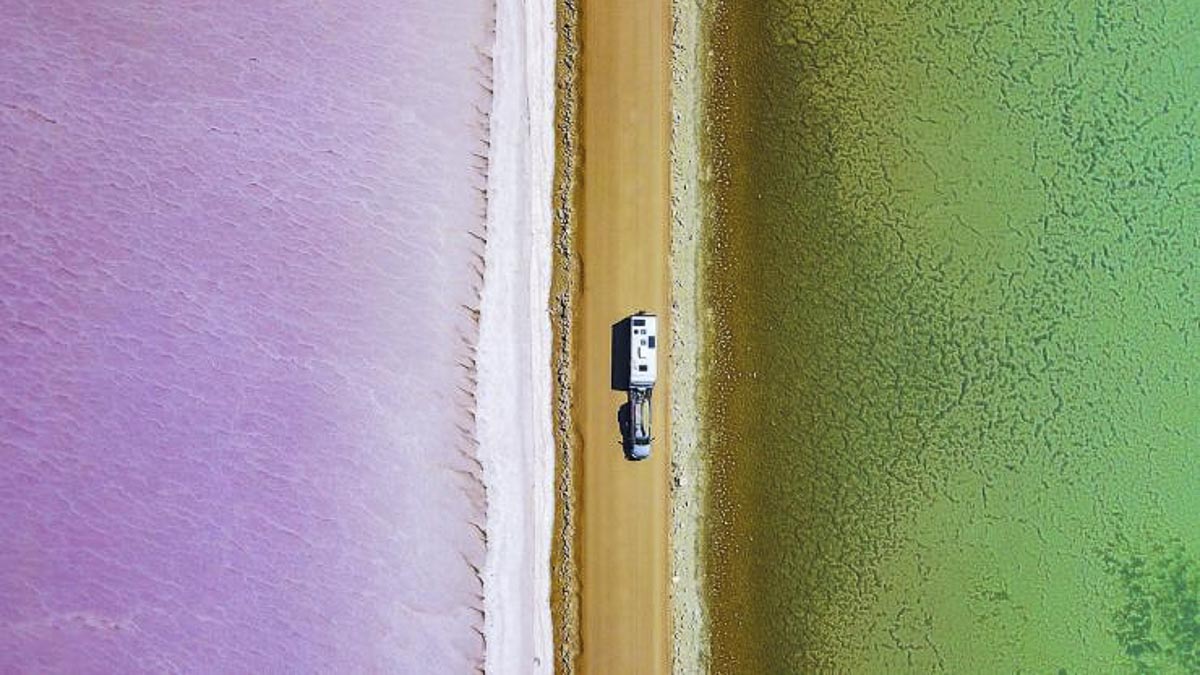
(516,447)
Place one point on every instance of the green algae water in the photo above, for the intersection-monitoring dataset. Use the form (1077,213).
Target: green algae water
(954,272)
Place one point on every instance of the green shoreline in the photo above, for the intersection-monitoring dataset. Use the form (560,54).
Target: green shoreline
(952,386)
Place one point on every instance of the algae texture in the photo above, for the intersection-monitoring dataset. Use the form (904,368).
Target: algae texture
(953,398)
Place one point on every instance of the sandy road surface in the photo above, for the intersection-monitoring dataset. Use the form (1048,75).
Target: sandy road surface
(624,240)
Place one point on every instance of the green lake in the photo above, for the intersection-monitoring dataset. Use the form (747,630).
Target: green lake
(954,394)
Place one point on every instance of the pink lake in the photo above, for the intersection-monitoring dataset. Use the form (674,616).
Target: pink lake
(235,250)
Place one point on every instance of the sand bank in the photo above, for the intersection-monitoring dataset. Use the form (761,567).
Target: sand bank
(564,577)
(688,470)
(515,442)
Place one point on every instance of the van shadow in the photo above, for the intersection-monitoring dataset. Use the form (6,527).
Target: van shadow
(625,423)
(619,355)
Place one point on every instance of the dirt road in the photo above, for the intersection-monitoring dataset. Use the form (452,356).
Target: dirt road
(624,240)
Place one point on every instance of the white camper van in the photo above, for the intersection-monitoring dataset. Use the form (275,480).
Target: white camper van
(643,371)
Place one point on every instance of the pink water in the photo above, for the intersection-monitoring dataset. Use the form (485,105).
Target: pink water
(234,253)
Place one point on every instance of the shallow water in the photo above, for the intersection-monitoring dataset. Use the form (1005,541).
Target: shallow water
(235,246)
(954,401)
